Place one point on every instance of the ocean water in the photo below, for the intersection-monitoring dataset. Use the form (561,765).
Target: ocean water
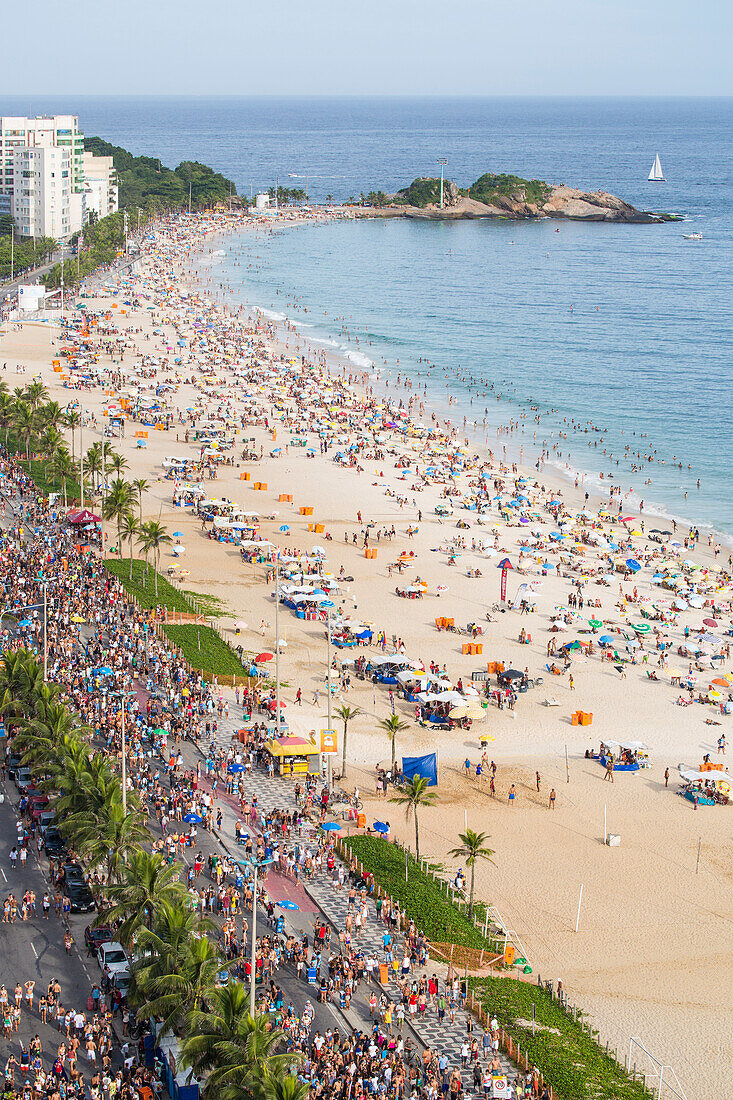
(628,329)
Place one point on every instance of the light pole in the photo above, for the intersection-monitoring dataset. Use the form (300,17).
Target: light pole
(442,162)
(328,689)
(121,694)
(255,864)
(277,644)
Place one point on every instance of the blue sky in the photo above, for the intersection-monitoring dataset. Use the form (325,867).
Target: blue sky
(487,47)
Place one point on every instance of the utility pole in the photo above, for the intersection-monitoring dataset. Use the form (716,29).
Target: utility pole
(124,222)
(276,191)
(81,453)
(442,162)
(277,644)
(12,250)
(45,635)
(328,689)
(124,760)
(189,197)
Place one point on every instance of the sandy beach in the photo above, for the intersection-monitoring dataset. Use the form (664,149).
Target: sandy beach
(652,956)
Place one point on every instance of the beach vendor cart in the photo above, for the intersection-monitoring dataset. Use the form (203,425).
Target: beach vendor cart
(294,755)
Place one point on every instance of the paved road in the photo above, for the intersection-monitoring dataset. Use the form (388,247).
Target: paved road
(33,949)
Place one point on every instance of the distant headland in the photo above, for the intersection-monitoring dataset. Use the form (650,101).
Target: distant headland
(510,197)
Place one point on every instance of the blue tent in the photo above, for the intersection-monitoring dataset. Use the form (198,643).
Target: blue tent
(424,766)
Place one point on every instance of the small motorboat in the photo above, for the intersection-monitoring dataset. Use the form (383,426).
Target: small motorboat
(692,236)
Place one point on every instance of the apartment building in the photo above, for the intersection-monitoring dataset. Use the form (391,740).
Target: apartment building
(100,185)
(46,189)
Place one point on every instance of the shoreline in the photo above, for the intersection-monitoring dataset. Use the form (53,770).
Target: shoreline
(516,449)
(651,944)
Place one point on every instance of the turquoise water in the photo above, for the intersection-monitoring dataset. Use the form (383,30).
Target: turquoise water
(619,328)
(627,327)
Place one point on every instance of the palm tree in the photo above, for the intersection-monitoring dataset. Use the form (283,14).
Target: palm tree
(237,1051)
(93,462)
(7,412)
(140,485)
(153,535)
(72,421)
(109,839)
(117,505)
(24,425)
(51,415)
(471,850)
(345,714)
(176,985)
(392,726)
(35,394)
(413,796)
(128,531)
(284,1087)
(63,467)
(21,680)
(145,885)
(117,464)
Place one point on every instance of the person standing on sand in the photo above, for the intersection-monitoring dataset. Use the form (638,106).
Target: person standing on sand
(609,771)
(537,779)
(512,794)
(553,796)
(571,682)
(666,777)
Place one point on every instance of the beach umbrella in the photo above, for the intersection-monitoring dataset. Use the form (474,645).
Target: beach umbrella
(380,827)
(595,623)
(721,682)
(288,905)
(633,565)
(642,628)
(710,622)
(233,768)
(606,639)
(193,819)
(178,534)
(179,549)
(25,622)
(331,826)
(284,528)
(104,670)
(261,657)
(78,619)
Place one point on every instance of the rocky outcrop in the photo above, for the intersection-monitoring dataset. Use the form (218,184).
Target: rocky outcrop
(554,202)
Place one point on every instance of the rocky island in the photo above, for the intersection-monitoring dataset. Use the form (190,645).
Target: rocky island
(513,198)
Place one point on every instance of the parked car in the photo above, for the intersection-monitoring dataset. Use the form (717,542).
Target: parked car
(23,776)
(95,937)
(81,898)
(54,844)
(38,805)
(113,959)
(46,820)
(13,763)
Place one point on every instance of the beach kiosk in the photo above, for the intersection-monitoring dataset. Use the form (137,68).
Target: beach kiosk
(294,755)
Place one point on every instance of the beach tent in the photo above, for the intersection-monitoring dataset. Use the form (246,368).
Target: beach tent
(426,767)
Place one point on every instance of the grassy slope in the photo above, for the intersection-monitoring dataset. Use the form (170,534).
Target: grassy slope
(420,895)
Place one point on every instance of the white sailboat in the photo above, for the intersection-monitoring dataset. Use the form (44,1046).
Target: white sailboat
(657,175)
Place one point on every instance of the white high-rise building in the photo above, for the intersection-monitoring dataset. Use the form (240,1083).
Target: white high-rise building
(100,185)
(43,202)
(55,182)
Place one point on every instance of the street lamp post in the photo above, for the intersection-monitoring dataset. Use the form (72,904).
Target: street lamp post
(442,162)
(328,689)
(255,864)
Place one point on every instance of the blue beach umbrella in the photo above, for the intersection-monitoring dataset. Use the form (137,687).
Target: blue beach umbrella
(633,565)
(25,622)
(288,905)
(193,819)
(105,670)
(606,639)
(284,528)
(380,827)
(235,768)
(331,827)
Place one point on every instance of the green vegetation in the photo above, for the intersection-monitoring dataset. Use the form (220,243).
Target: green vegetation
(146,184)
(176,956)
(142,586)
(421,192)
(204,649)
(489,187)
(102,242)
(435,914)
(24,252)
(565,1053)
(210,606)
(48,481)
